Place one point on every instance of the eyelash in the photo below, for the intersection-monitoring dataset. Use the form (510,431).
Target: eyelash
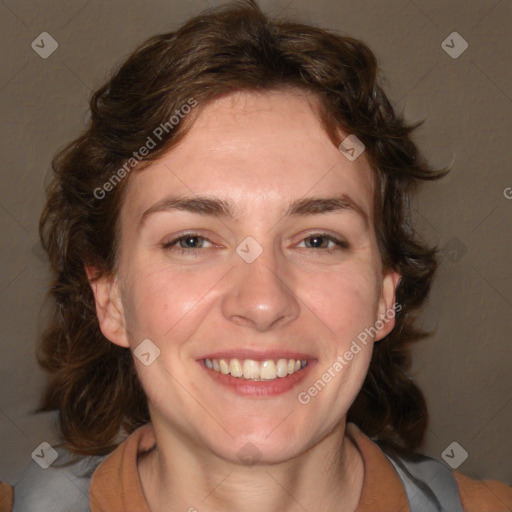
(171,244)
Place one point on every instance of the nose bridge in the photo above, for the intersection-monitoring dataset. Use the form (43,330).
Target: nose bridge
(259,296)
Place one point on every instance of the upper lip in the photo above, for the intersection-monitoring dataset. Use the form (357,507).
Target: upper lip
(258,355)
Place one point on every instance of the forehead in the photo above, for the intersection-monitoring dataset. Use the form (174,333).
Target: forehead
(257,151)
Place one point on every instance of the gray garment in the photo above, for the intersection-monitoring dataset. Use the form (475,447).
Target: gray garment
(56,488)
(429,484)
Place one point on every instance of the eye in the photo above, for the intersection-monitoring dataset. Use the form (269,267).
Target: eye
(322,240)
(188,242)
(192,242)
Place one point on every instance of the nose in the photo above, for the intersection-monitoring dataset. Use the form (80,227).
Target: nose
(260,296)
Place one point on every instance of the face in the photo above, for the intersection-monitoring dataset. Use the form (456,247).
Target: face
(251,241)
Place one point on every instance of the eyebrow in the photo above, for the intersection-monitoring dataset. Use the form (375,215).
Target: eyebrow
(215,207)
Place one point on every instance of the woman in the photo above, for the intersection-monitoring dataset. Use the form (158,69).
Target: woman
(236,278)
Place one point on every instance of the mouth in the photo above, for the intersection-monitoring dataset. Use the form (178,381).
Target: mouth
(251,369)
(258,375)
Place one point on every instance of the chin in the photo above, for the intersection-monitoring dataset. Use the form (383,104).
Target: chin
(264,446)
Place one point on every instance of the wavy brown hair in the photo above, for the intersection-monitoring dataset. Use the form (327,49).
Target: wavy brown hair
(92,381)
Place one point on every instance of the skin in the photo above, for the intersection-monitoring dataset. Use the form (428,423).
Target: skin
(260,151)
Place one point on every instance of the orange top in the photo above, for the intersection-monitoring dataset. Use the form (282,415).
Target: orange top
(116,487)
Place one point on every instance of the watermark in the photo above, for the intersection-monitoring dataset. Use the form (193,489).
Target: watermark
(304,397)
(508,193)
(454,45)
(45,455)
(151,142)
(146,352)
(351,147)
(454,250)
(454,455)
(249,454)
(249,249)
(44,45)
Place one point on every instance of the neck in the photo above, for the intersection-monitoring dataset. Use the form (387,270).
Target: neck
(328,477)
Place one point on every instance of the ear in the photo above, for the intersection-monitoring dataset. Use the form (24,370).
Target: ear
(109,307)
(387,312)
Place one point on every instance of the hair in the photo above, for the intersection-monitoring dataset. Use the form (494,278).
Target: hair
(92,382)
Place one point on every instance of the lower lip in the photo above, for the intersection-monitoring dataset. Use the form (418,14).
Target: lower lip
(259,388)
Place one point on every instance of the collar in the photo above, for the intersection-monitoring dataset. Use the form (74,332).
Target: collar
(116,486)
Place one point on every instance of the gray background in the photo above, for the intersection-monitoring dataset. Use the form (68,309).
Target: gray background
(465,368)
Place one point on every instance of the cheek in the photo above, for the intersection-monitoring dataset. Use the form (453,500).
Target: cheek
(160,298)
(345,300)
(157,300)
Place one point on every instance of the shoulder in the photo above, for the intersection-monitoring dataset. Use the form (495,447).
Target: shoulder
(427,478)
(6,497)
(483,495)
(58,487)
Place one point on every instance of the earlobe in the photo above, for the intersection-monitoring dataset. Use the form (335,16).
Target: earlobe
(387,310)
(109,307)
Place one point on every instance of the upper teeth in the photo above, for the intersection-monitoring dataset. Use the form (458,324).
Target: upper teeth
(251,369)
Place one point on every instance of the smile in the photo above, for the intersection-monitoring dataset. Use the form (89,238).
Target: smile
(249,369)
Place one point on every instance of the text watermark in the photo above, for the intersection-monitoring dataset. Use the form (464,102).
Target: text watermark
(304,397)
(137,156)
